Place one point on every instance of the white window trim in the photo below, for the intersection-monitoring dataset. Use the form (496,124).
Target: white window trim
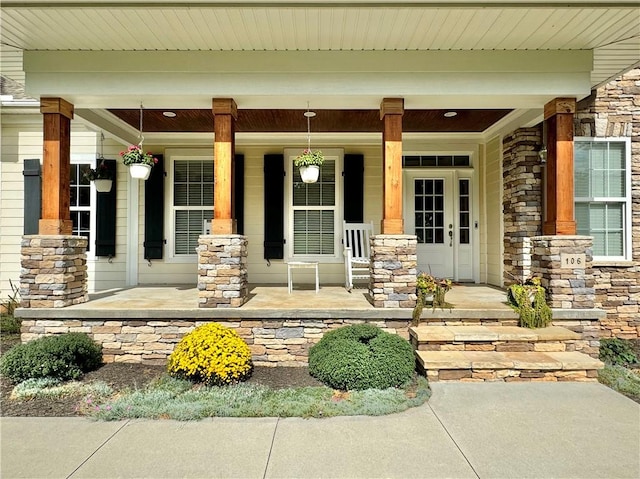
(78,159)
(171,156)
(627,203)
(289,155)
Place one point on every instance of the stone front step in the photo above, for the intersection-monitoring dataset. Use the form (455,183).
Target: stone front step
(493,338)
(507,366)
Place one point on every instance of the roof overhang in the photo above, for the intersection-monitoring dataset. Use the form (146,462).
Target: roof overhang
(354,80)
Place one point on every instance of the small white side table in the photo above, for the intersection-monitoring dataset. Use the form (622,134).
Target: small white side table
(302,264)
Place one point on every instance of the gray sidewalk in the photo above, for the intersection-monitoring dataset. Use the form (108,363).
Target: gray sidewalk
(467,430)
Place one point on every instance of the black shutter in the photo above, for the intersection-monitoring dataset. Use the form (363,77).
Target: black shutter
(106,216)
(32,196)
(274,206)
(154,212)
(238,186)
(354,188)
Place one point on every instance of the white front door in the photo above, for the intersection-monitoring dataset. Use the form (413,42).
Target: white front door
(437,207)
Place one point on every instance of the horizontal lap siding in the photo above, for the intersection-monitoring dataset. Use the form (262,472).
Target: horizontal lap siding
(493,218)
(22,139)
(18,143)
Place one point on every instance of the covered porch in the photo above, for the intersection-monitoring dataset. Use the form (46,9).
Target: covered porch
(273,301)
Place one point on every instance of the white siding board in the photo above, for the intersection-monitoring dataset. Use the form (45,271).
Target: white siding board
(493,211)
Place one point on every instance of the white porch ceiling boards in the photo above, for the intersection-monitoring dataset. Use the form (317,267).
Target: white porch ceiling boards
(610,28)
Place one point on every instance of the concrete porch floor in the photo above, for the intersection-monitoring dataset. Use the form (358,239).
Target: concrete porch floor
(269,301)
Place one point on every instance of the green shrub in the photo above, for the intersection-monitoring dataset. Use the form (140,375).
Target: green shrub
(9,324)
(617,351)
(362,356)
(63,356)
(213,355)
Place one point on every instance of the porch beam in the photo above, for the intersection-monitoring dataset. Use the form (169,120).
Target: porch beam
(225,113)
(558,118)
(391,111)
(55,215)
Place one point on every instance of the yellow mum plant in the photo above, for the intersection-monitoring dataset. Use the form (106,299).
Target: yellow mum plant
(211,354)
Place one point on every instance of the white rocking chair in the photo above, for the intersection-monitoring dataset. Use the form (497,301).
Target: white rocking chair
(356,251)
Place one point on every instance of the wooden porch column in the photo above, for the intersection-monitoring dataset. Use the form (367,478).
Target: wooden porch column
(55,216)
(391,111)
(225,113)
(558,117)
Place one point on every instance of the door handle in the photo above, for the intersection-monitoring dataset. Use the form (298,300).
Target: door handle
(451,238)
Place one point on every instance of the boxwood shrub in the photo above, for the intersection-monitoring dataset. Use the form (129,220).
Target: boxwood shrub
(63,356)
(362,356)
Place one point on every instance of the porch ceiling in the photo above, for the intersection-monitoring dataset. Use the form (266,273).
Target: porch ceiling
(611,29)
(330,121)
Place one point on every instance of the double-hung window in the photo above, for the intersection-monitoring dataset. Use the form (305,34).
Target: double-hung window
(192,203)
(603,195)
(315,216)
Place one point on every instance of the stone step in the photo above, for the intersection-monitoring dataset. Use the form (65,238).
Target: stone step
(493,338)
(507,366)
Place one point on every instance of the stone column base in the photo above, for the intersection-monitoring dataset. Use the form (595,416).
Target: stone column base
(393,271)
(222,271)
(570,283)
(54,271)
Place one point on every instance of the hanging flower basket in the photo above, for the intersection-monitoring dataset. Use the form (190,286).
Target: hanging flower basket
(309,174)
(309,163)
(139,171)
(139,162)
(103,185)
(101,177)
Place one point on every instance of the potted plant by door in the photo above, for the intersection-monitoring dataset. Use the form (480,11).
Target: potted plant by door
(139,162)
(309,163)
(101,177)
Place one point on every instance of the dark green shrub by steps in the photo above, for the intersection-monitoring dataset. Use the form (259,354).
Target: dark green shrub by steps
(617,351)
(362,356)
(63,356)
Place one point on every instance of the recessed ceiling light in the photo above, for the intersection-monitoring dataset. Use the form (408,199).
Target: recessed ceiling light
(450,114)
(169,114)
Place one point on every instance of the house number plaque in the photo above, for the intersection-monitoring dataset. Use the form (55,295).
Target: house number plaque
(573,260)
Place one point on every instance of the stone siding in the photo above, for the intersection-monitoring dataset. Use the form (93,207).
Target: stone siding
(614,111)
(53,271)
(393,271)
(272,342)
(567,288)
(522,200)
(222,271)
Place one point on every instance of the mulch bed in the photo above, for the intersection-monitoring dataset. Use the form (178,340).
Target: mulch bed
(122,376)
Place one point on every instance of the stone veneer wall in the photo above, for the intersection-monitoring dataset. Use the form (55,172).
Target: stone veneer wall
(222,271)
(567,288)
(272,342)
(53,271)
(393,271)
(522,200)
(614,111)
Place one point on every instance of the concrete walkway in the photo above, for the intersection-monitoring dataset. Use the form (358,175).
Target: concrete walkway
(485,430)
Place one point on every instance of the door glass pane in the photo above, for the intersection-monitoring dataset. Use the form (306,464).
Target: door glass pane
(464,227)
(429,210)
